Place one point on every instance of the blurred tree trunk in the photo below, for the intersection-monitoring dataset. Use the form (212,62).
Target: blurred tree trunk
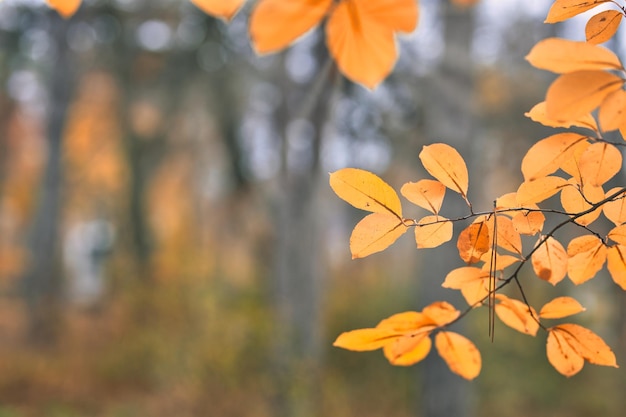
(298,277)
(449,120)
(42,281)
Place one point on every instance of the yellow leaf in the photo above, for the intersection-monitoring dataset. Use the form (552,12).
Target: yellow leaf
(572,165)
(577,93)
(473,242)
(564,56)
(547,155)
(612,112)
(224,9)
(616,263)
(561,355)
(274,24)
(516,315)
(560,307)
(365,191)
(375,233)
(407,322)
(445,164)
(601,27)
(473,283)
(536,191)
(564,9)
(615,210)
(441,313)
(506,202)
(432,231)
(65,8)
(366,339)
(618,234)
(574,201)
(408,350)
(550,261)
(427,194)
(586,256)
(588,344)
(539,114)
(461,355)
(360,36)
(529,222)
(599,163)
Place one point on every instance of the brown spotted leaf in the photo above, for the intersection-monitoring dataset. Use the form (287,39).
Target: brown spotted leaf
(564,9)
(550,261)
(473,242)
(601,27)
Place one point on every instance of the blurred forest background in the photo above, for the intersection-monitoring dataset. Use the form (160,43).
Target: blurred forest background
(169,245)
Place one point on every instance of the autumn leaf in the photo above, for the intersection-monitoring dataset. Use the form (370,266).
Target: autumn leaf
(564,9)
(459,353)
(497,263)
(65,8)
(432,231)
(365,191)
(601,27)
(615,210)
(550,260)
(445,164)
(561,355)
(517,315)
(471,281)
(588,344)
(539,114)
(542,188)
(224,9)
(408,350)
(473,241)
(575,200)
(612,111)
(427,194)
(274,24)
(618,234)
(406,321)
(375,233)
(577,93)
(599,163)
(441,313)
(528,222)
(586,255)
(366,339)
(564,56)
(571,165)
(616,264)
(506,237)
(361,36)
(560,307)
(547,155)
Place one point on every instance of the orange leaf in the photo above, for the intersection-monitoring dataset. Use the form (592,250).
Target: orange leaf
(601,27)
(550,261)
(573,201)
(501,261)
(459,353)
(577,93)
(618,234)
(529,222)
(562,355)
(407,322)
(366,339)
(507,237)
(572,165)
(375,233)
(274,24)
(224,9)
(536,191)
(599,163)
(427,194)
(360,36)
(473,283)
(547,155)
(408,350)
(563,56)
(560,307)
(441,312)
(445,164)
(539,114)
(615,210)
(516,315)
(564,9)
(586,256)
(65,8)
(616,264)
(588,344)
(365,191)
(473,242)
(432,231)
(612,112)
